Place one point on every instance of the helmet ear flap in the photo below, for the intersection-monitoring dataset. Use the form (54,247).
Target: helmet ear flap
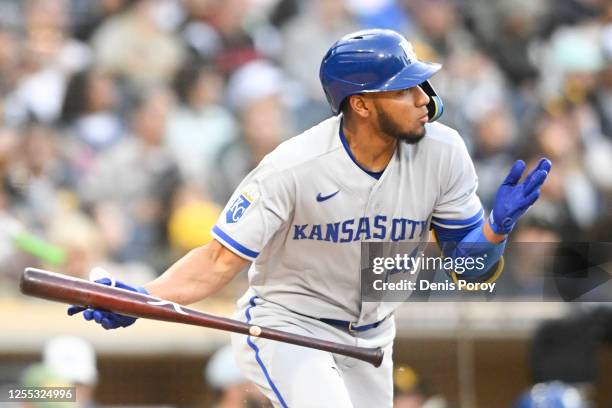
(435,107)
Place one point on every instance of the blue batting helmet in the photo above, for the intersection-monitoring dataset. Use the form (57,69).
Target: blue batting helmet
(375,61)
(552,395)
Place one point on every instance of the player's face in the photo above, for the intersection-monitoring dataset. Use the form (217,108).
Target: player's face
(402,114)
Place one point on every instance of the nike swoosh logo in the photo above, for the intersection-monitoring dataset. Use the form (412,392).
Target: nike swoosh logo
(321,198)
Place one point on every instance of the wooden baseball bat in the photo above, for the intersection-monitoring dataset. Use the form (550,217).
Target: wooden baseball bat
(74,291)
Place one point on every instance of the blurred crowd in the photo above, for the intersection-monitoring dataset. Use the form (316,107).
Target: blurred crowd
(126,124)
(71,362)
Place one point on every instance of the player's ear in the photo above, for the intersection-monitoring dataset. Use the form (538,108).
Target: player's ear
(360,105)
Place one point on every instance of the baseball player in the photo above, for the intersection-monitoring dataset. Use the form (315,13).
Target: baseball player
(380,169)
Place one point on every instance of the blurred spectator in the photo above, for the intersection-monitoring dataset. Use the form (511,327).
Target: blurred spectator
(603,93)
(309,36)
(510,47)
(410,392)
(72,359)
(231,388)
(380,14)
(85,249)
(493,139)
(572,58)
(215,31)
(80,238)
(191,219)
(566,349)
(306,39)
(133,45)
(199,126)
(535,244)
(90,109)
(571,12)
(67,361)
(130,186)
(470,76)
(37,375)
(263,124)
(438,24)
(49,57)
(9,60)
(555,395)
(11,15)
(569,197)
(35,174)
(9,149)
(283,11)
(87,15)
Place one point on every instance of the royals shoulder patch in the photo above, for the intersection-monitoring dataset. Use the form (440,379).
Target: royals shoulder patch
(241,204)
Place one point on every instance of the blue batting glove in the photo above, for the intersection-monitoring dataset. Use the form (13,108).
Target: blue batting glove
(105,318)
(513,199)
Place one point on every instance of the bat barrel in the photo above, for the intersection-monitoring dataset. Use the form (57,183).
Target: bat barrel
(38,283)
(373,356)
(66,289)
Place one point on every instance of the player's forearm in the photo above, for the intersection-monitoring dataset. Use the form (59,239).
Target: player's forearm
(481,243)
(197,275)
(491,236)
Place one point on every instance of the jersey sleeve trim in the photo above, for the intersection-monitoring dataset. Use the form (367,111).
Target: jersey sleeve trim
(441,222)
(233,245)
(454,234)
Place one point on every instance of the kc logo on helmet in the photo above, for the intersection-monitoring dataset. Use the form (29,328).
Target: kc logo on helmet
(407,47)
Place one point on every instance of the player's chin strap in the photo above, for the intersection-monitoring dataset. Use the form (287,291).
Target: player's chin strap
(435,107)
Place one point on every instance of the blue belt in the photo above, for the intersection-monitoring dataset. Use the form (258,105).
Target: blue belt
(350,326)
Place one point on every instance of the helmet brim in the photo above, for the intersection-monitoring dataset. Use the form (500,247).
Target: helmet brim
(413,75)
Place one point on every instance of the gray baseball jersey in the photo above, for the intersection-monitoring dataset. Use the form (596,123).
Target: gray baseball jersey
(301,215)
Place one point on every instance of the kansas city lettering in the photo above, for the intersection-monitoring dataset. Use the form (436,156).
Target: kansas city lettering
(361,229)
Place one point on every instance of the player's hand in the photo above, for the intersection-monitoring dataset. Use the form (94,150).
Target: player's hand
(514,198)
(105,318)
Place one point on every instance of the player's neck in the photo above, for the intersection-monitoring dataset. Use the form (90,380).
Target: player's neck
(372,150)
